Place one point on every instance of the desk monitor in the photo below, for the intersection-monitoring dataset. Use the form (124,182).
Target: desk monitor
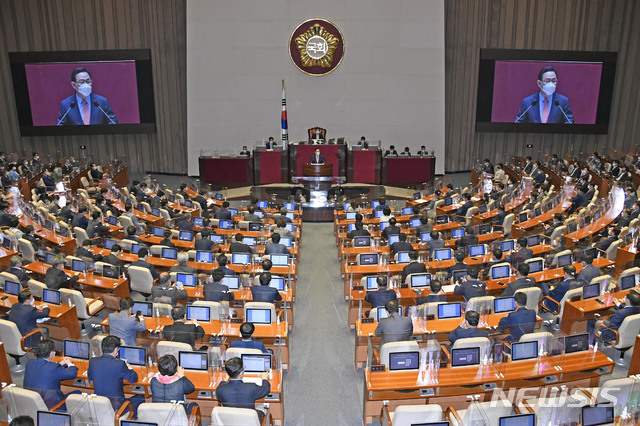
(383,225)
(145,308)
(345,206)
(241,258)
(113,221)
(232,281)
(448,201)
(381,313)
(482,208)
(198,221)
(524,350)
(169,253)
(350,215)
(464,357)
(259,316)
(576,343)
(393,239)
(416,196)
(135,247)
(372,282)
(286,241)
(457,275)
(360,241)
(536,266)
(76,349)
(6,243)
(280,259)
(78,265)
(628,282)
(216,239)
(109,271)
(48,225)
(51,296)
(597,415)
(187,280)
(401,361)
(255,226)
(290,206)
(250,241)
(503,304)
(403,257)
(193,360)
(374,204)
(198,313)
(475,251)
(156,212)
(414,223)
(11,288)
(259,213)
(587,220)
(53,419)
(499,272)
(369,258)
(522,217)
(351,227)
(262,204)
(108,243)
(518,420)
(234,212)
(63,231)
(256,363)
(507,245)
(158,232)
(564,260)
(204,256)
(533,240)
(185,235)
(590,291)
(449,310)
(378,213)
(572,227)
(442,219)
(442,254)
(483,229)
(289,227)
(420,280)
(277,282)
(49,258)
(537,211)
(406,211)
(225,224)
(457,233)
(425,236)
(134,355)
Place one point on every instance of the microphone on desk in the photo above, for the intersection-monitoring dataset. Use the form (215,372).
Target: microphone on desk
(557,103)
(97,104)
(71,106)
(533,103)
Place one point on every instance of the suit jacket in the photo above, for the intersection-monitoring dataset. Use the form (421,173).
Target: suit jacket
(6,181)
(588,273)
(48,181)
(183,332)
(54,278)
(240,248)
(237,394)
(108,375)
(605,243)
(435,244)
(319,160)
(413,268)
(142,264)
(463,208)
(248,344)
(168,243)
(263,293)
(216,292)
(272,248)
(223,214)
(111,259)
(80,220)
(183,269)
(555,113)
(19,273)
(380,297)
(83,252)
(358,233)
(463,333)
(74,117)
(520,283)
(203,244)
(25,316)
(167,294)
(458,266)
(391,230)
(394,329)
(125,327)
(400,246)
(521,255)
(470,289)
(519,322)
(44,377)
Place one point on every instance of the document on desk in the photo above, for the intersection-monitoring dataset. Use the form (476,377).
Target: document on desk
(448,288)
(254,380)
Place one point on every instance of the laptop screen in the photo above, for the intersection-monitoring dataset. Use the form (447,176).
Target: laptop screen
(522,217)
(379,213)
(224,224)
(51,296)
(250,241)
(484,229)
(576,343)
(425,236)
(198,221)
(374,204)
(383,225)
(564,260)
(598,415)
(368,258)
(254,363)
(533,240)
(463,357)
(280,259)
(420,280)
(407,210)
(286,241)
(145,308)
(232,281)
(361,241)
(628,282)
(590,291)
(259,316)
(185,235)
(416,196)
(198,313)
(442,254)
(134,355)
(193,360)
(535,266)
(135,248)
(216,239)
(504,304)
(262,204)
(49,258)
(499,272)
(156,212)
(403,257)
(169,253)
(108,243)
(277,283)
(393,238)
(78,265)
(187,280)
(449,310)
(109,271)
(62,231)
(76,349)
(204,256)
(404,361)
(414,223)
(524,350)
(255,226)
(457,233)
(507,245)
(482,208)
(158,232)
(442,220)
(290,206)
(372,282)
(113,221)
(518,420)
(478,250)
(241,258)
(12,288)
(53,419)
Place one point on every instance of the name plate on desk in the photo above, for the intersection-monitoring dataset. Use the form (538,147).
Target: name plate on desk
(404,285)
(377,368)
(357,287)
(237,320)
(367,320)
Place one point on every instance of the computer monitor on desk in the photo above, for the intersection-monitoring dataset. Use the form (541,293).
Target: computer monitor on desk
(53,419)
(360,241)
(464,357)
(504,304)
(507,245)
(232,281)
(256,363)
(169,253)
(500,272)
(241,258)
(277,283)
(403,361)
(204,256)
(597,415)
(442,254)
(449,310)
(518,420)
(196,361)
(576,343)
(134,355)
(12,288)
(76,349)
(524,350)
(259,316)
(187,280)
(145,308)
(198,313)
(590,291)
(51,296)
(420,280)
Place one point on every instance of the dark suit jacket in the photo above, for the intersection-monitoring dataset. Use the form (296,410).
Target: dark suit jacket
(400,246)
(240,248)
(74,117)
(237,394)
(391,230)
(394,329)
(413,268)
(518,284)
(80,220)
(463,333)
(111,259)
(248,344)
(358,233)
(142,264)
(84,252)
(319,160)
(588,273)
(167,293)
(435,244)
(203,244)
(108,375)
(25,316)
(555,114)
(216,292)
(223,214)
(54,278)
(518,322)
(183,332)
(48,182)
(463,208)
(616,321)
(605,243)
(379,297)
(263,293)
(470,289)
(276,249)
(44,377)
(19,273)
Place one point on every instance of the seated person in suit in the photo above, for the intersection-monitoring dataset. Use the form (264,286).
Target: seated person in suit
(204,243)
(274,246)
(181,330)
(215,291)
(24,315)
(569,283)
(496,257)
(459,256)
(499,218)
(79,219)
(392,229)
(166,241)
(406,152)
(382,295)
(589,271)
(523,281)
(394,328)
(470,238)
(386,214)
(246,331)
(282,215)
(425,226)
(42,375)
(183,259)
(30,236)
(363,143)
(631,306)
(223,213)
(124,324)
(128,212)
(557,221)
(108,373)
(391,152)
(281,228)
(519,322)
(245,152)
(462,210)
(609,237)
(521,252)
(112,258)
(238,394)
(401,244)
(143,255)
(414,267)
(15,263)
(358,230)
(264,293)
(169,384)
(84,252)
(271,144)
(55,277)
(222,264)
(435,242)
(95,227)
(317,158)
(468,328)
(185,223)
(435,294)
(131,235)
(238,246)
(166,292)
(470,287)
(251,215)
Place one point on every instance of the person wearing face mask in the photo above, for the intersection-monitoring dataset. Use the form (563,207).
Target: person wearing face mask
(84,107)
(546,106)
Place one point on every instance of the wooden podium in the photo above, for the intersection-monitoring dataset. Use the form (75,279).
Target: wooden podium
(317,170)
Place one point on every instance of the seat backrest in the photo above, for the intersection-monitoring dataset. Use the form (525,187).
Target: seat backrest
(237,352)
(37,288)
(481,412)
(628,331)
(544,339)
(600,280)
(163,414)
(613,250)
(214,308)
(481,304)
(162,309)
(619,388)
(224,416)
(507,224)
(627,272)
(557,232)
(77,299)
(141,279)
(11,337)
(27,250)
(387,348)
(411,414)
(6,276)
(81,235)
(261,305)
(90,409)
(22,402)
(125,221)
(172,348)
(568,296)
(156,250)
(474,342)
(533,297)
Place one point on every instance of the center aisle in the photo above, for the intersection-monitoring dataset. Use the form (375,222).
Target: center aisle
(322,387)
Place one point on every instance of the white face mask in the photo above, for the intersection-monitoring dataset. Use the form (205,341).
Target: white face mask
(548,89)
(85,90)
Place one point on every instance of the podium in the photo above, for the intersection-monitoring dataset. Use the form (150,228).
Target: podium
(317,170)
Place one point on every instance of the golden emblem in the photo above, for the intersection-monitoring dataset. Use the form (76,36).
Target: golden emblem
(316,47)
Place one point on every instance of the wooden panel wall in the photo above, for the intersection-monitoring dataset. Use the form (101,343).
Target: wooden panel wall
(604,25)
(50,25)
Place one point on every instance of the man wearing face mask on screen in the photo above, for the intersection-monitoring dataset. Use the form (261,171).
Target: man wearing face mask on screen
(546,106)
(84,107)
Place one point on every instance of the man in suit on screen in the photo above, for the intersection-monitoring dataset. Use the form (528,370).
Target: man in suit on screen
(546,106)
(84,107)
